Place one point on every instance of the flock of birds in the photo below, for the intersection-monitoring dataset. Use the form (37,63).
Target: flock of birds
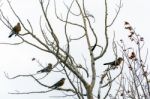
(15,31)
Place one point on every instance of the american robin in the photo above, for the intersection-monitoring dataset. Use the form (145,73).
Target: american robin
(58,84)
(46,69)
(15,30)
(115,63)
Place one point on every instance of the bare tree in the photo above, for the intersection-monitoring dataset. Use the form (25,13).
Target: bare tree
(83,77)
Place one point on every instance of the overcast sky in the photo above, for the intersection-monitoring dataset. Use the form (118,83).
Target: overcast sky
(17,59)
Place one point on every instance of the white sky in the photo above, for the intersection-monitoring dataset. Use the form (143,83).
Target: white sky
(17,59)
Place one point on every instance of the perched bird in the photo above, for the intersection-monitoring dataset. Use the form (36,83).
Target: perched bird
(15,30)
(46,69)
(115,63)
(58,84)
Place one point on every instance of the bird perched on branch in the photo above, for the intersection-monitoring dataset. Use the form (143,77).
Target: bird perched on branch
(46,69)
(15,30)
(58,84)
(115,63)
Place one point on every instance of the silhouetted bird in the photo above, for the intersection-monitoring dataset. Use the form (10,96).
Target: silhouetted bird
(15,30)
(58,84)
(46,69)
(115,63)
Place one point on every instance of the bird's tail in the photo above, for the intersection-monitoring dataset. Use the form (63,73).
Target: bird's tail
(107,63)
(38,71)
(53,87)
(42,71)
(11,34)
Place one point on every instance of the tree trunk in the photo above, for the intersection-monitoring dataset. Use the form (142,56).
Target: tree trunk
(89,93)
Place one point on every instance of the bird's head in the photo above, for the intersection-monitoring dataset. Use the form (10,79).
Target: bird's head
(49,67)
(120,59)
(18,23)
(63,79)
(49,64)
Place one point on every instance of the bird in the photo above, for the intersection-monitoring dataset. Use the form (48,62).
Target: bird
(115,63)
(15,30)
(46,69)
(58,84)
